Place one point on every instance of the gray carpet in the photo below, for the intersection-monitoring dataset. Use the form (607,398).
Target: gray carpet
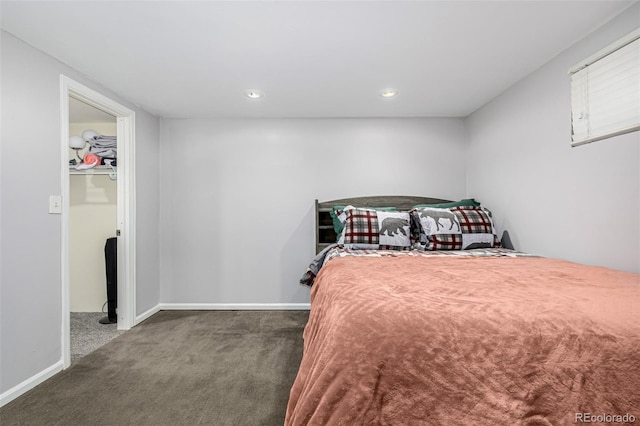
(87,334)
(176,368)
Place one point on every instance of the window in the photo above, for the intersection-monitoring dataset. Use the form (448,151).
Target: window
(605,92)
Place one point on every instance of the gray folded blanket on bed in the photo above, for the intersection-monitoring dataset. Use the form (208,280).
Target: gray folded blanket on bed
(312,271)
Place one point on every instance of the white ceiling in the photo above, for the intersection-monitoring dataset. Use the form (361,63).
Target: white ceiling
(310,58)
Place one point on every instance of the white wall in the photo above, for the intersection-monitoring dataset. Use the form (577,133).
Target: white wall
(581,204)
(92,219)
(30,281)
(147,163)
(237,196)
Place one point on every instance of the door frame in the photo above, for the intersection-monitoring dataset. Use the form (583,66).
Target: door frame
(126,205)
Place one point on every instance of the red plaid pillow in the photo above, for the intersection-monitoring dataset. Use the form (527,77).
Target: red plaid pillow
(477,220)
(361,227)
(473,220)
(445,242)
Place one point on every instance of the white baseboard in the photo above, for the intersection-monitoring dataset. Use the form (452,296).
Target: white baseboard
(30,383)
(235,306)
(143,316)
(222,307)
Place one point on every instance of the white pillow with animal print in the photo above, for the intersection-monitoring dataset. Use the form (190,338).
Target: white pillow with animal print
(435,221)
(394,229)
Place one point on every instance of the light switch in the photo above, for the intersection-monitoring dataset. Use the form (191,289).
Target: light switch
(55,204)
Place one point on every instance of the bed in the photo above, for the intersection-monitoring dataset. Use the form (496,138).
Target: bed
(482,336)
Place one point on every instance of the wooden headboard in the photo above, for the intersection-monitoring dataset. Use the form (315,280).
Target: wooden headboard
(325,235)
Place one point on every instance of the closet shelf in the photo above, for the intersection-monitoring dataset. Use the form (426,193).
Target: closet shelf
(97,170)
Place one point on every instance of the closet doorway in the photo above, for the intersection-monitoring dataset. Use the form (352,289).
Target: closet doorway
(98,203)
(93,202)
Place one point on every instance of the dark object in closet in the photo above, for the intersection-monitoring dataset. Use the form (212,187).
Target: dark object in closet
(111,263)
(108,161)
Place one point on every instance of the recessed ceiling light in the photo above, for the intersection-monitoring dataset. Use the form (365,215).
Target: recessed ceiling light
(388,93)
(254,94)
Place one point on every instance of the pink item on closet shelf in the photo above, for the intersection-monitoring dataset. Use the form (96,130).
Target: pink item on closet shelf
(89,161)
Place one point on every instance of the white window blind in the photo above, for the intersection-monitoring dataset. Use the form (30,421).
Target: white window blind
(605,92)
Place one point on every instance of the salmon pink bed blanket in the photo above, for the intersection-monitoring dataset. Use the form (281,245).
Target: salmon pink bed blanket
(410,340)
